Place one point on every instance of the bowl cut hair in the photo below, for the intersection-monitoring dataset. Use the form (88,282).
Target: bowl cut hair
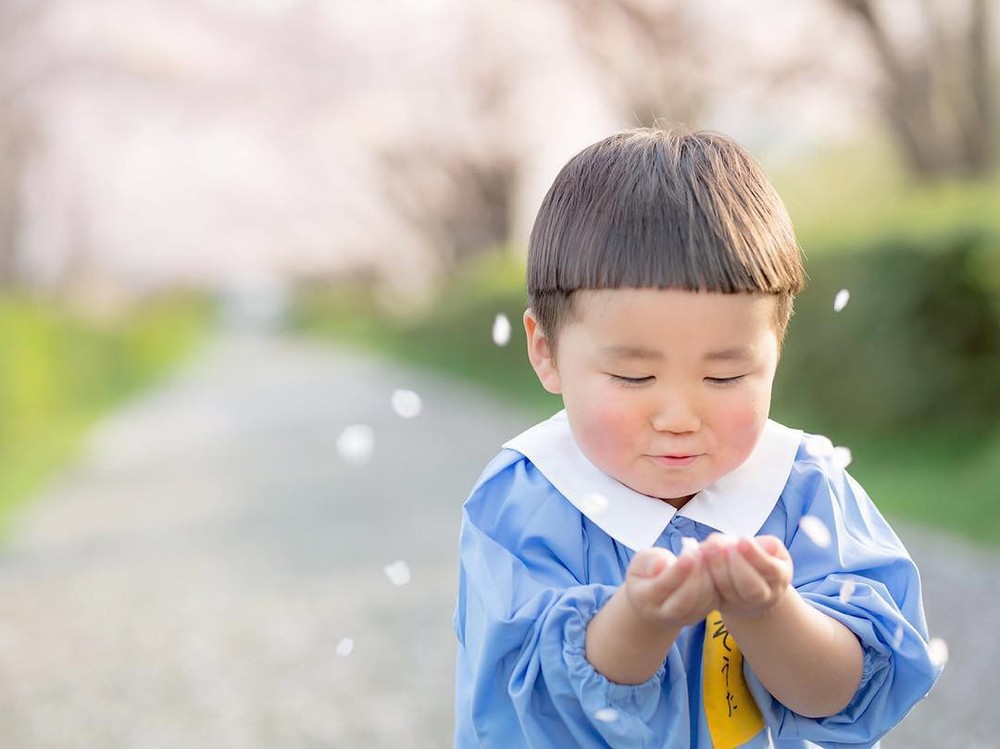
(658,208)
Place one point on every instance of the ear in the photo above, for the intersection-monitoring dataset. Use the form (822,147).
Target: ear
(540,354)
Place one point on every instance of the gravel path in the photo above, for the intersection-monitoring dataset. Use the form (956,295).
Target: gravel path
(189,582)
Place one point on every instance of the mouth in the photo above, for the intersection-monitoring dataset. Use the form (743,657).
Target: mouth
(677,460)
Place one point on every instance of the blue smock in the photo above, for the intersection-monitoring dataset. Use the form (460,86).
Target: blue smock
(540,554)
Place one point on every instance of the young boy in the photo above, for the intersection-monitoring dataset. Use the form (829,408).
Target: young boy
(634,570)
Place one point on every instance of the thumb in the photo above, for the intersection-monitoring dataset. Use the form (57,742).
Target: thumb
(650,562)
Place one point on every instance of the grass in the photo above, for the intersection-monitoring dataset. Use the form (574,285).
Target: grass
(58,373)
(943,481)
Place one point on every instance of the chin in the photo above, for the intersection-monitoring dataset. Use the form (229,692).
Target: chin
(670,493)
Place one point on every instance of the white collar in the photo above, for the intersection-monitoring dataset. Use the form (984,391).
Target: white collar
(738,503)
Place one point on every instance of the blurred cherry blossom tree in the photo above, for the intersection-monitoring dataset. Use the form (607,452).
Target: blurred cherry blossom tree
(18,130)
(198,141)
(928,66)
(938,88)
(654,56)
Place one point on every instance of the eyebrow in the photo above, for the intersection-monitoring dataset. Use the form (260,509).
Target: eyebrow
(728,354)
(625,351)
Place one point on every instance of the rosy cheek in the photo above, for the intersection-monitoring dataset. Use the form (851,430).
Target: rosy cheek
(744,426)
(607,426)
(745,421)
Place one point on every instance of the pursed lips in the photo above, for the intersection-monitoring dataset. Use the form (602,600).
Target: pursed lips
(676,460)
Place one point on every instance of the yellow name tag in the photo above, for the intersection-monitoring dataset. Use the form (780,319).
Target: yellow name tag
(730,710)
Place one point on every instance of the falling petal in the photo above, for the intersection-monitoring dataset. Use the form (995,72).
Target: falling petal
(398,573)
(344,647)
(938,650)
(814,528)
(897,638)
(501,330)
(846,591)
(406,403)
(594,504)
(606,715)
(689,545)
(840,301)
(842,456)
(355,443)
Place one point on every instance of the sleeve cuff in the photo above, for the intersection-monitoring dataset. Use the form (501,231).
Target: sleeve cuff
(595,691)
(876,655)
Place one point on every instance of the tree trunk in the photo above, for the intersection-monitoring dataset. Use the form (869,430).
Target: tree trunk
(979,123)
(938,106)
(11,167)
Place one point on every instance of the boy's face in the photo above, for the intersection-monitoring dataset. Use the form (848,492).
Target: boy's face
(665,390)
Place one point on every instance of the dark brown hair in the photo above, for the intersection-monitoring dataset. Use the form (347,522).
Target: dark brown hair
(655,208)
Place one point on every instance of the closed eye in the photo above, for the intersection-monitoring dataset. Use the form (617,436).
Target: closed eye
(724,380)
(631,381)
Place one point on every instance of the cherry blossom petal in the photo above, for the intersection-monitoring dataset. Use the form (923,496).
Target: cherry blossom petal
(840,301)
(938,649)
(344,647)
(594,504)
(356,443)
(846,591)
(842,456)
(814,528)
(406,403)
(398,573)
(689,545)
(501,330)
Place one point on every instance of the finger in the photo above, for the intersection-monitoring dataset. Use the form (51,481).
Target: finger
(716,551)
(709,594)
(749,584)
(774,568)
(655,574)
(650,562)
(752,551)
(719,541)
(773,547)
(695,594)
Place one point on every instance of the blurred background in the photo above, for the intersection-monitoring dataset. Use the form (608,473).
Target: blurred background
(231,229)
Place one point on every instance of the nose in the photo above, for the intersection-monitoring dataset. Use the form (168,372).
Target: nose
(676,414)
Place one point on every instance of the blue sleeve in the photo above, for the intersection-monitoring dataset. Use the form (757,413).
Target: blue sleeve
(524,603)
(885,610)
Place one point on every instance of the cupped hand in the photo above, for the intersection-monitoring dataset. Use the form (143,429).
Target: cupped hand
(668,590)
(750,575)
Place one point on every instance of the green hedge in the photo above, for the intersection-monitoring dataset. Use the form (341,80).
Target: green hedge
(58,372)
(917,347)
